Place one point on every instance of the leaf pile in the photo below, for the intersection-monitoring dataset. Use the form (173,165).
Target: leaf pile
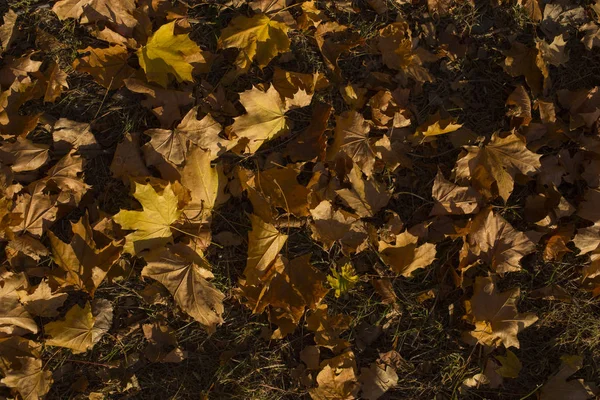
(328,171)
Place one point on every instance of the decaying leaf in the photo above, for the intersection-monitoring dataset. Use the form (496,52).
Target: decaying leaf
(81,328)
(405,257)
(186,274)
(30,380)
(495,241)
(559,387)
(492,168)
(495,315)
(264,243)
(84,265)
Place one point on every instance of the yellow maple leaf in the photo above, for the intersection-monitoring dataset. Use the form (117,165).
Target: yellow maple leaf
(152,225)
(264,119)
(259,38)
(82,328)
(167,53)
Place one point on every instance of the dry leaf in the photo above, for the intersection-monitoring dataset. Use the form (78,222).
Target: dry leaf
(108,66)
(495,315)
(492,168)
(405,257)
(81,328)
(186,274)
(559,387)
(84,264)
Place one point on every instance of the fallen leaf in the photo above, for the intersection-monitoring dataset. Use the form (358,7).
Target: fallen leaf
(352,138)
(81,328)
(495,315)
(496,242)
(83,263)
(166,53)
(152,225)
(337,379)
(9,29)
(186,274)
(492,168)
(108,66)
(377,380)
(328,327)
(30,380)
(41,301)
(206,184)
(344,280)
(259,38)
(366,197)
(14,318)
(511,365)
(451,199)
(24,155)
(405,257)
(559,388)
(264,119)
(164,103)
(264,243)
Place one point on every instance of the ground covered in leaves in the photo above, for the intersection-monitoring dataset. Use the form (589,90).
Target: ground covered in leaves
(325,200)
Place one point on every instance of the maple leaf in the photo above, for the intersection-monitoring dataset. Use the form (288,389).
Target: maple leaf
(185,274)
(30,380)
(37,211)
(405,257)
(592,35)
(164,103)
(116,12)
(152,226)
(495,241)
(281,189)
(334,39)
(528,62)
(511,365)
(264,119)
(108,66)
(311,16)
(328,327)
(331,225)
(453,199)
(67,135)
(85,265)
(559,387)
(168,53)
(41,301)
(81,328)
(14,318)
(65,177)
(24,155)
(259,38)
(337,379)
(206,184)
(8,30)
(435,126)
(377,380)
(344,280)
(366,197)
(264,243)
(287,289)
(352,137)
(495,315)
(498,162)
(54,81)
